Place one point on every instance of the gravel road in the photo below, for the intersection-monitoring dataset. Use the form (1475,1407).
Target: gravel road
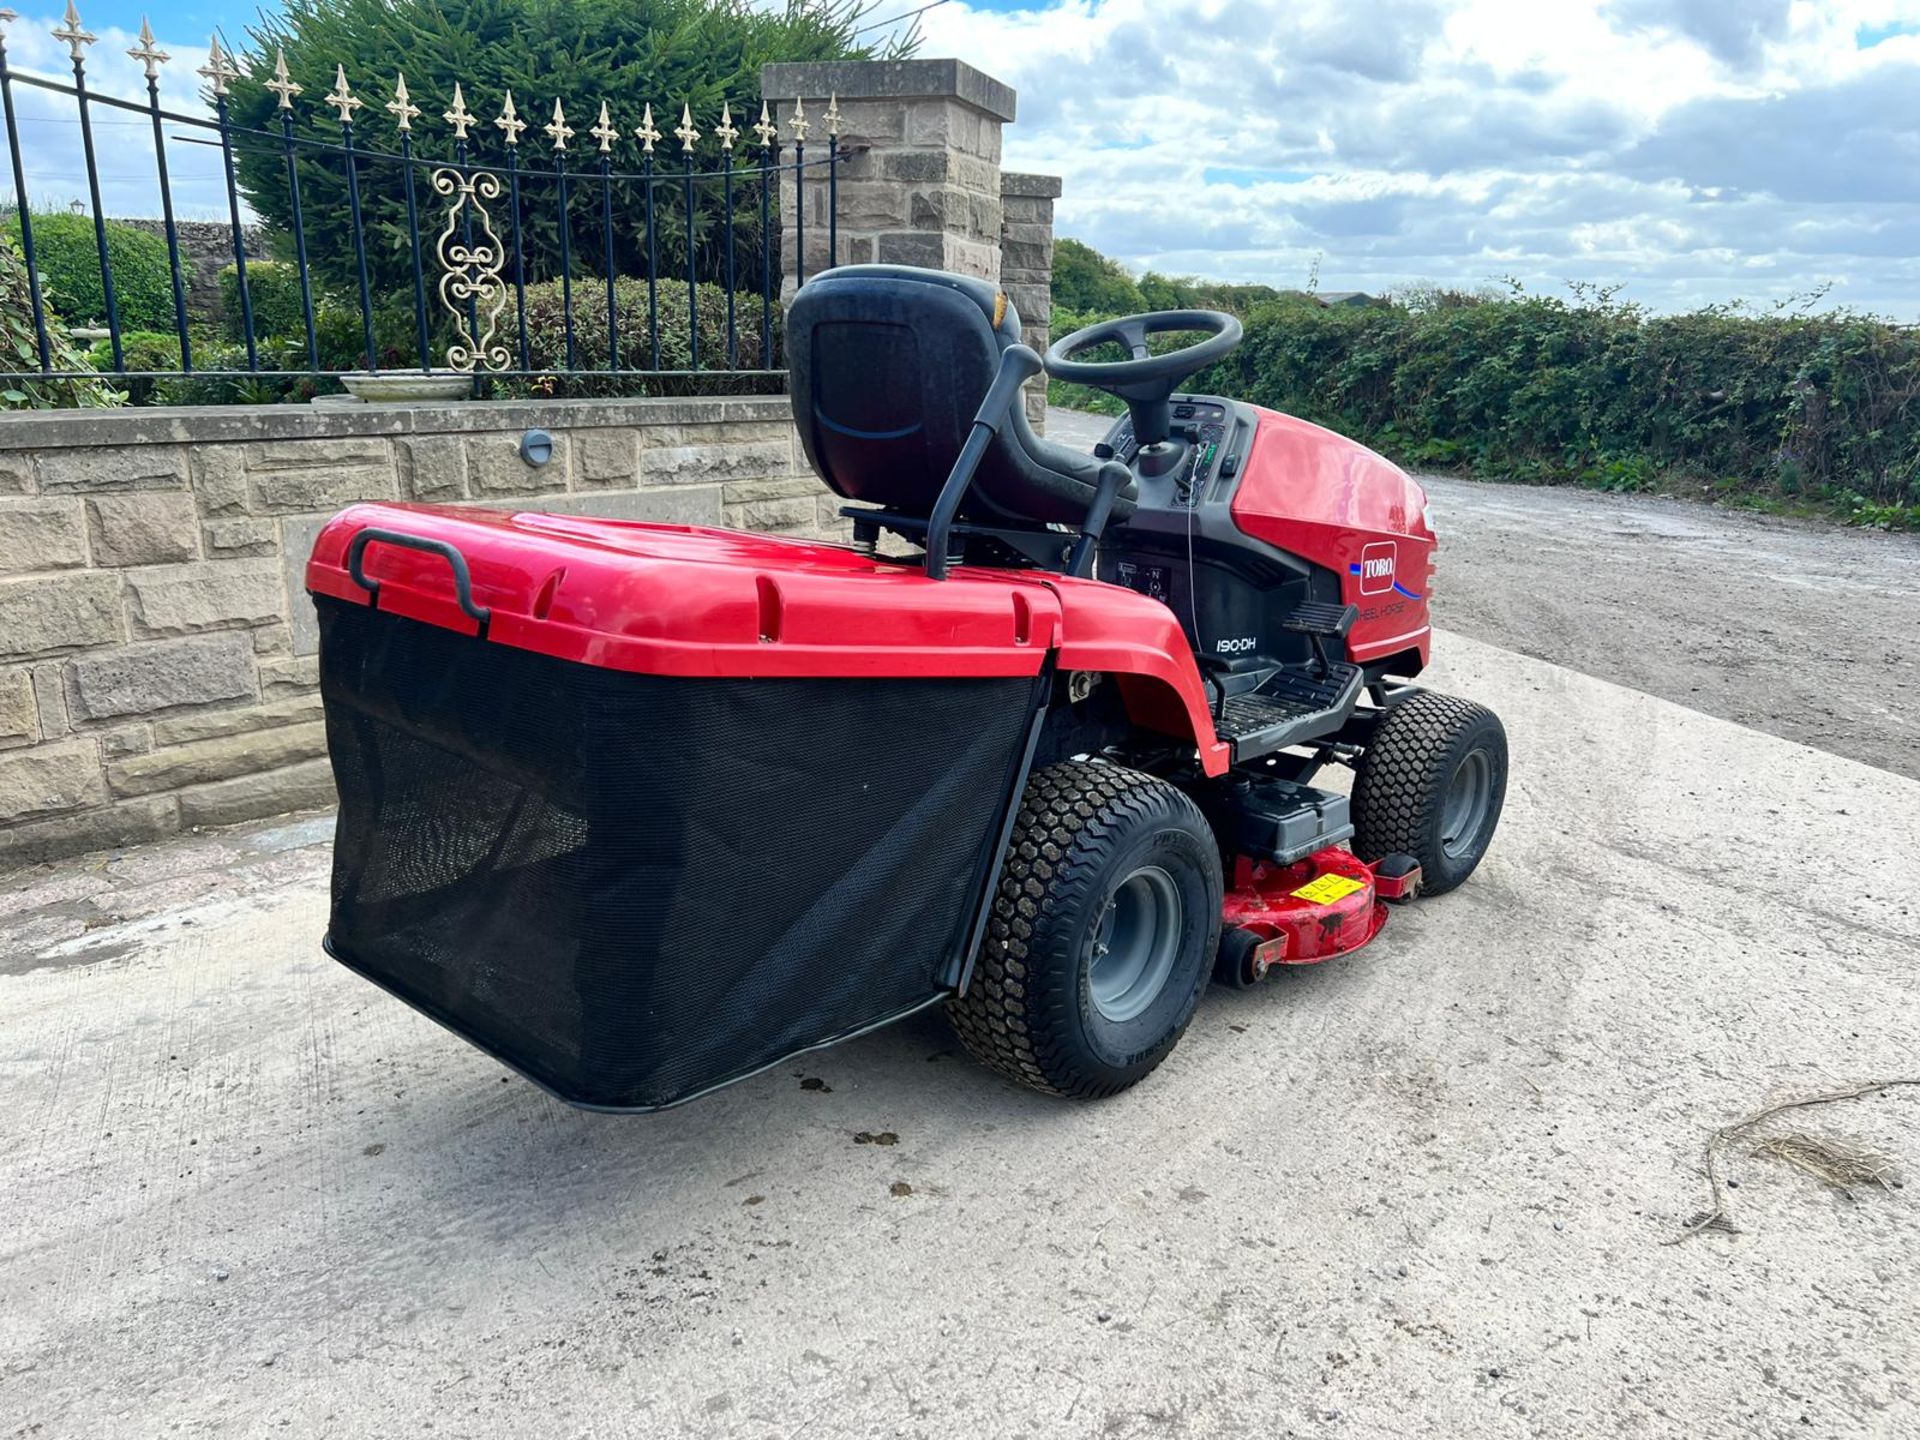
(1804,630)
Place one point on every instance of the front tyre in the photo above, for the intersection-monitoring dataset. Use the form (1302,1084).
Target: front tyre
(1102,935)
(1431,784)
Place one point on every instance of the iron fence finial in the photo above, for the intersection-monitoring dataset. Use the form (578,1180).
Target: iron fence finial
(72,36)
(149,54)
(604,130)
(401,107)
(459,117)
(688,135)
(766,129)
(282,84)
(341,98)
(725,129)
(510,121)
(797,122)
(647,134)
(219,69)
(559,130)
(833,115)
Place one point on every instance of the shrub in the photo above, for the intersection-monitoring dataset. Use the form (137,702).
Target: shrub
(1088,283)
(547,348)
(273,288)
(68,257)
(20,348)
(142,350)
(280,322)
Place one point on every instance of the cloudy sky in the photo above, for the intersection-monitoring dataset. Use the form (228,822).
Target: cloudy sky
(1691,151)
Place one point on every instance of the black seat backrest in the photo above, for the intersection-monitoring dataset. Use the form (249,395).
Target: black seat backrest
(888,364)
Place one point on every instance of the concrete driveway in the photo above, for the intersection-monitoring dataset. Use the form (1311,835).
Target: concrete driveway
(1423,1191)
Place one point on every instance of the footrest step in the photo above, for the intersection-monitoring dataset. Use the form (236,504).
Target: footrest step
(1319,617)
(1294,705)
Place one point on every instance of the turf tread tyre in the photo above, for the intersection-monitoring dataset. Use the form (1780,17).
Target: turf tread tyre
(1402,779)
(1072,816)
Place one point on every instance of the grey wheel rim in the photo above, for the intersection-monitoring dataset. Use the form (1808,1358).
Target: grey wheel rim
(1469,796)
(1135,944)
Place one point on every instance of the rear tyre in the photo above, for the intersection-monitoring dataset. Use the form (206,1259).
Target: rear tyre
(1102,936)
(1431,784)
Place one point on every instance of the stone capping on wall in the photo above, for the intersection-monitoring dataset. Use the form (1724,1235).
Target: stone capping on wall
(1029,187)
(888,80)
(222,424)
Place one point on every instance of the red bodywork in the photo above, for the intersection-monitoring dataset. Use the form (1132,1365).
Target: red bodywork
(681,600)
(1329,500)
(684,600)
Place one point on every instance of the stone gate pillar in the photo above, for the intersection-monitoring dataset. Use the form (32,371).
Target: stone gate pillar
(920,181)
(1026,268)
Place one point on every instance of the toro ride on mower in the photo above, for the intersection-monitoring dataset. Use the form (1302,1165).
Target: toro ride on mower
(641,809)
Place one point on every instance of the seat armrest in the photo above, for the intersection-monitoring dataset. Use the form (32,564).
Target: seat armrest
(1018,364)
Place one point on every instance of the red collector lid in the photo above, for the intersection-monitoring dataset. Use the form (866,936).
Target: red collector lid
(682,600)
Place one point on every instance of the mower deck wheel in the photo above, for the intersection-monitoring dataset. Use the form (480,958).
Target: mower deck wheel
(1431,785)
(1102,936)
(1234,966)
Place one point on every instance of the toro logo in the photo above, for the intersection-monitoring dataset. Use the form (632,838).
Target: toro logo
(1375,568)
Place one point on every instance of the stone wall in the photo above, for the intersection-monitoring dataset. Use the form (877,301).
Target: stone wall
(157,666)
(1026,267)
(206,248)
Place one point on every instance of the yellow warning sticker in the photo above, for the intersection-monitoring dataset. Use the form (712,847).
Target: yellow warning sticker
(1328,888)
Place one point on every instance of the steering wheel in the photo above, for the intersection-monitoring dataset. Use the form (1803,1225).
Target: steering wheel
(1147,380)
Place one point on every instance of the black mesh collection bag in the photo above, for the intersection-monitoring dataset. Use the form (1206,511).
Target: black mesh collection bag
(632,887)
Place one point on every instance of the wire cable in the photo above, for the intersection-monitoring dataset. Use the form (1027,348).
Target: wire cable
(904,15)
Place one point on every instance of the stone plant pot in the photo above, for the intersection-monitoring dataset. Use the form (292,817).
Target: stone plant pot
(389,386)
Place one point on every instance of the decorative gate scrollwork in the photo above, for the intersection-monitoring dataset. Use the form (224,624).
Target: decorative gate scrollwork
(472,271)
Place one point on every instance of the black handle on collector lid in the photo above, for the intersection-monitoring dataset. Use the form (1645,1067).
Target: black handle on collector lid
(462,578)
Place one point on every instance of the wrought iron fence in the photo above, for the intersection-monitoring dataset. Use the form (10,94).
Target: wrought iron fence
(462,278)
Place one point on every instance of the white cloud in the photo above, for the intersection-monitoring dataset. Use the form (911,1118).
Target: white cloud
(1697,150)
(50,139)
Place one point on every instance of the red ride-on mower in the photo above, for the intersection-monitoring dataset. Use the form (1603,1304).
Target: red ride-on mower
(641,809)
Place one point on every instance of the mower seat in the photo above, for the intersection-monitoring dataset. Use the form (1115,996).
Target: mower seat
(887,365)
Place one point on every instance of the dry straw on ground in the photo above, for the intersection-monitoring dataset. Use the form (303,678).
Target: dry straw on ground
(1839,1163)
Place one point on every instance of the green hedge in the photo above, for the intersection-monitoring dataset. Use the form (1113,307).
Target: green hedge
(273,290)
(1821,411)
(547,348)
(67,254)
(1817,407)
